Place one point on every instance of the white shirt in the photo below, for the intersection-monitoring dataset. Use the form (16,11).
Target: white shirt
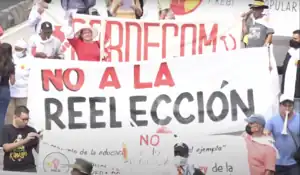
(35,19)
(22,68)
(51,47)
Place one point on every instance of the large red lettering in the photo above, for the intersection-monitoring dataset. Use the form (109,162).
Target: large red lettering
(164,71)
(210,40)
(60,78)
(183,36)
(138,45)
(110,72)
(148,44)
(80,79)
(137,79)
(164,37)
(117,47)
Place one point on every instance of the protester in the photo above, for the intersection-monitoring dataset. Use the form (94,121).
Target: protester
(7,76)
(261,151)
(35,16)
(165,11)
(82,167)
(181,155)
(290,72)
(284,130)
(82,41)
(45,45)
(125,8)
(150,10)
(81,6)
(18,140)
(256,29)
(19,90)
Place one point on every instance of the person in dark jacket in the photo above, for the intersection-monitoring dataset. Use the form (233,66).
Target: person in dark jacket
(294,52)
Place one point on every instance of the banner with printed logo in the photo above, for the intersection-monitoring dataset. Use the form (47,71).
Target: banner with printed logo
(134,152)
(210,94)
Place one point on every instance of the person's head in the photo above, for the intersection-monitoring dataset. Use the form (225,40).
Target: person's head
(82,167)
(258,7)
(21,48)
(46,30)
(86,33)
(255,124)
(286,105)
(6,50)
(21,116)
(295,41)
(181,154)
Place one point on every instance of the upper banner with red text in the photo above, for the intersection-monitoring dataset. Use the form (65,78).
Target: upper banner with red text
(136,40)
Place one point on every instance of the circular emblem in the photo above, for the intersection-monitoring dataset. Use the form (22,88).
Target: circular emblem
(56,162)
(183,7)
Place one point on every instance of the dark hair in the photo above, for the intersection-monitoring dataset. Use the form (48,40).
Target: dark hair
(6,61)
(48,1)
(296,32)
(21,109)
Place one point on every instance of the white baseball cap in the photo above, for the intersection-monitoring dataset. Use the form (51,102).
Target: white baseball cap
(285,97)
(22,44)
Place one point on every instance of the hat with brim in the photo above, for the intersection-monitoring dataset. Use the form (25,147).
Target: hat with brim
(258,4)
(86,26)
(256,118)
(83,166)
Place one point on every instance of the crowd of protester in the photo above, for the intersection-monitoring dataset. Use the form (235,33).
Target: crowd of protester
(281,159)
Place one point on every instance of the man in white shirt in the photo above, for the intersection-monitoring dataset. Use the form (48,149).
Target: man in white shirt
(44,45)
(18,91)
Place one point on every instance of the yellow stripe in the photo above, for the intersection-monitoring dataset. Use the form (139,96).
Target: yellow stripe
(190,4)
(259,3)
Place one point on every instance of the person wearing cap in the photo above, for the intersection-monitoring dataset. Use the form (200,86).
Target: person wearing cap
(45,45)
(181,155)
(81,167)
(19,90)
(284,136)
(256,28)
(262,153)
(84,41)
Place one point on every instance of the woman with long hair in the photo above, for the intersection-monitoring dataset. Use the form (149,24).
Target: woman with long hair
(7,77)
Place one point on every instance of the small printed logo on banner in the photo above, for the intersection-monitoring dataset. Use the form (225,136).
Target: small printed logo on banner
(183,7)
(56,162)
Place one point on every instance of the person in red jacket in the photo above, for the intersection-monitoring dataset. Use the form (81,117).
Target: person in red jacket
(83,42)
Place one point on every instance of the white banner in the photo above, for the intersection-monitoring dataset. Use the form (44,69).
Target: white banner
(100,103)
(230,10)
(130,40)
(133,152)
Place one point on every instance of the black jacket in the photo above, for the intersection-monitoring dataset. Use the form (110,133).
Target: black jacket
(282,71)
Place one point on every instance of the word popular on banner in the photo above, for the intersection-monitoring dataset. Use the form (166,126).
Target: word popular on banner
(177,93)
